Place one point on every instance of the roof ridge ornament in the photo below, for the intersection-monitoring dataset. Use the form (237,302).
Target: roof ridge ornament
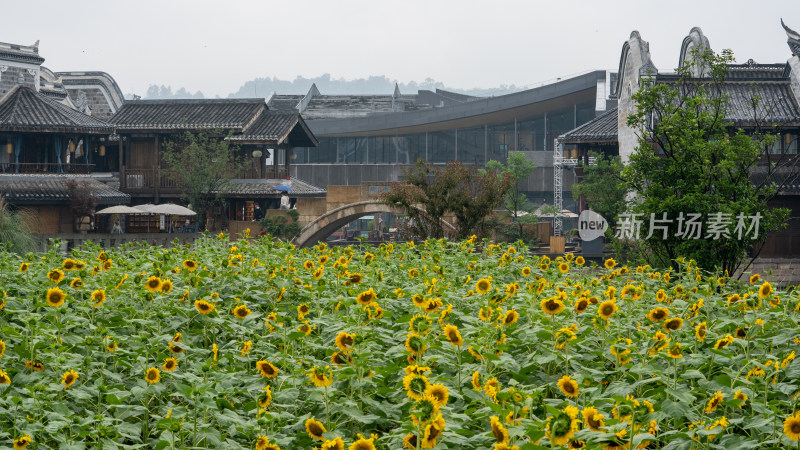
(793,39)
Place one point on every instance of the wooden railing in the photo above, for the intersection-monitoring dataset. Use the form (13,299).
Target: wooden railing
(152,179)
(67,241)
(30,168)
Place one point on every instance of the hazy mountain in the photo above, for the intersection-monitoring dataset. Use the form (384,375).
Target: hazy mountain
(373,85)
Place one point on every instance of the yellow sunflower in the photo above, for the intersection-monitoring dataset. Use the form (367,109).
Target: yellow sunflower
(55,275)
(581,305)
(483,285)
(592,419)
(700,331)
(714,402)
(453,335)
(354,278)
(673,324)
(439,393)
(432,432)
(153,284)
(510,317)
(22,442)
(319,377)
(415,385)
(334,444)
(55,297)
(24,267)
(526,271)
(341,359)
(344,341)
(580,261)
(568,386)
(415,344)
(552,305)
(791,427)
(152,375)
(499,431)
(4,378)
(410,441)
(315,428)
(658,314)
(765,290)
(69,377)
(98,297)
(724,342)
(241,311)
(607,309)
(68,264)
(166,286)
(675,351)
(366,297)
(267,369)
(204,307)
(190,265)
(170,364)
(563,267)
(34,365)
(755,278)
(413,272)
(363,443)
(610,263)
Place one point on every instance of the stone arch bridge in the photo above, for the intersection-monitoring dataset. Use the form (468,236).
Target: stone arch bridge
(324,225)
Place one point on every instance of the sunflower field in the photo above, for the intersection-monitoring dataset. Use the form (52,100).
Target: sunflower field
(447,345)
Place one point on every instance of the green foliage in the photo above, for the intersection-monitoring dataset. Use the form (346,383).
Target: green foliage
(81,199)
(283,226)
(703,165)
(603,188)
(15,235)
(518,167)
(533,324)
(203,164)
(431,192)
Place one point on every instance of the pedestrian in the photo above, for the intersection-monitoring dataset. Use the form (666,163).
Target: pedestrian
(258,213)
(284,201)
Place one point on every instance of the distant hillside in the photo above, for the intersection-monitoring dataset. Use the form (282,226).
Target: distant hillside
(373,85)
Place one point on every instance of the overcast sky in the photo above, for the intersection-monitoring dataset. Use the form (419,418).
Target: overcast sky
(215,46)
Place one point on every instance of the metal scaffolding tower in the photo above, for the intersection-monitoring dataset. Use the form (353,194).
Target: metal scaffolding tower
(559,164)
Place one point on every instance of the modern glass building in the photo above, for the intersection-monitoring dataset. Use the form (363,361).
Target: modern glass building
(363,145)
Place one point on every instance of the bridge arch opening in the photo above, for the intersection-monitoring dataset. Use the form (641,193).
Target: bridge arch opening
(328,223)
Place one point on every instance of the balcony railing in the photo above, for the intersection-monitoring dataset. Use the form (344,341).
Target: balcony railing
(151,179)
(30,168)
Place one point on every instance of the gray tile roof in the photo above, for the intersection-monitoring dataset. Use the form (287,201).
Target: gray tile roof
(285,102)
(233,114)
(278,127)
(26,189)
(21,53)
(265,188)
(24,109)
(602,128)
(777,103)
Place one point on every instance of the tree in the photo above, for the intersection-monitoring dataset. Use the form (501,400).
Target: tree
(701,164)
(603,188)
(516,202)
(202,164)
(430,192)
(15,234)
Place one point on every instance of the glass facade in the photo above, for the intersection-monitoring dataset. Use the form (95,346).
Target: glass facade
(474,145)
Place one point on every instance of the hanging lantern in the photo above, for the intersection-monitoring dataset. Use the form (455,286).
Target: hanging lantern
(787,138)
(71,146)
(102,150)
(9,148)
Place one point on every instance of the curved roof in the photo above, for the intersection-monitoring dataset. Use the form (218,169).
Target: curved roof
(472,113)
(23,109)
(279,127)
